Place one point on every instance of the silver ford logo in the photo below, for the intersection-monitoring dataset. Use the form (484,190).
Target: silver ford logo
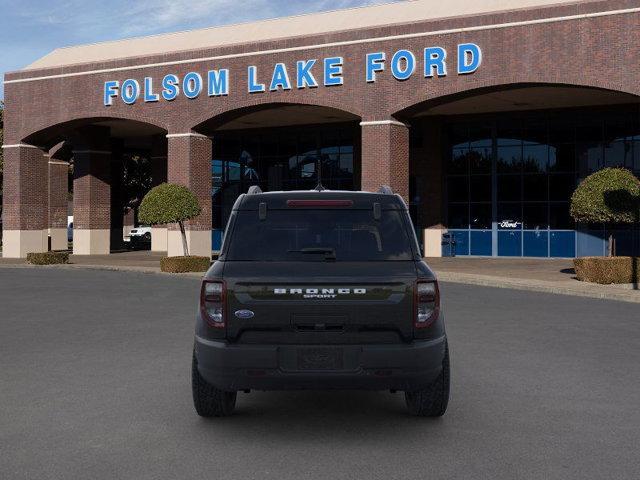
(244,314)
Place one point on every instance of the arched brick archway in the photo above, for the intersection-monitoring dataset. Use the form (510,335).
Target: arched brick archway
(326,107)
(514,107)
(191,162)
(36,183)
(601,91)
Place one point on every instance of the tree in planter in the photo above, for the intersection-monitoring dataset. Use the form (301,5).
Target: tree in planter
(170,203)
(611,195)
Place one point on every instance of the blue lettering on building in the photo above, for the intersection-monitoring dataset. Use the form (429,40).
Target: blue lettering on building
(280,78)
(218,83)
(192,85)
(305,73)
(170,87)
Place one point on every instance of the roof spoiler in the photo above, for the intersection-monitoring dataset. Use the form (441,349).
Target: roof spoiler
(387,190)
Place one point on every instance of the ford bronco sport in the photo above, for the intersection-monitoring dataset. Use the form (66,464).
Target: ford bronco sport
(320,290)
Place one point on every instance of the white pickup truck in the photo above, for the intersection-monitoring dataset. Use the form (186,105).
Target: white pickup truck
(139,237)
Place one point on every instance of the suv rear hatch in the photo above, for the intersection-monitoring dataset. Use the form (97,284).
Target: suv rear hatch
(320,272)
(320,303)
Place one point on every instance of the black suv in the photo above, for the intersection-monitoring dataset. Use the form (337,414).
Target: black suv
(320,290)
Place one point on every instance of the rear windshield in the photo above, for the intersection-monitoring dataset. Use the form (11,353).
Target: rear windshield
(319,235)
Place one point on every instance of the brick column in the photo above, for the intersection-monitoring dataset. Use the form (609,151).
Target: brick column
(159,175)
(25,210)
(92,192)
(116,239)
(189,164)
(58,191)
(385,156)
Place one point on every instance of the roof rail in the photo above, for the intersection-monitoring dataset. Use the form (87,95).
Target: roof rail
(385,190)
(253,190)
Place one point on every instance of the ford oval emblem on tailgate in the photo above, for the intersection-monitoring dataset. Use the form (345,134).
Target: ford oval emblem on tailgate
(244,314)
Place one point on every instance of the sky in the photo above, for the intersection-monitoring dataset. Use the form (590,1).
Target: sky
(29,29)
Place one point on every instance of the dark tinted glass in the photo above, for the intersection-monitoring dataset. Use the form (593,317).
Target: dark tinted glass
(535,216)
(481,188)
(509,188)
(510,159)
(636,156)
(561,130)
(561,187)
(535,158)
(459,161)
(618,154)
(535,132)
(562,158)
(480,159)
(589,130)
(458,216)
(480,136)
(353,235)
(458,189)
(534,188)
(559,217)
(480,215)
(509,132)
(589,157)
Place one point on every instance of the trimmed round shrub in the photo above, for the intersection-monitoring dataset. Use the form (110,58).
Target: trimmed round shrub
(611,195)
(168,203)
(184,264)
(607,270)
(48,258)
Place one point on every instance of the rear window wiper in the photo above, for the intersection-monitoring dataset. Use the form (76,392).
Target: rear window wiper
(329,253)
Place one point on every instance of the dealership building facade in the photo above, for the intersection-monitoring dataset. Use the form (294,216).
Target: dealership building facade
(483,115)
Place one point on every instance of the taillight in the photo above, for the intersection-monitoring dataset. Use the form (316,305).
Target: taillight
(212,303)
(427,303)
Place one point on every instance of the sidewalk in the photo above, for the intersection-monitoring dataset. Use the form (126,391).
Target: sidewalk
(538,275)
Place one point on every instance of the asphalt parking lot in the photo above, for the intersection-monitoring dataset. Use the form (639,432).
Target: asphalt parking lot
(95,383)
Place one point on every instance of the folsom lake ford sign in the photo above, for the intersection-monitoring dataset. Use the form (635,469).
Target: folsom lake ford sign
(309,73)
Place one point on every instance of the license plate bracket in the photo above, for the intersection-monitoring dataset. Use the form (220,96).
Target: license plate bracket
(320,358)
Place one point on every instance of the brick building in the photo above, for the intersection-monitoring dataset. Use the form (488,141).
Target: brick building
(484,115)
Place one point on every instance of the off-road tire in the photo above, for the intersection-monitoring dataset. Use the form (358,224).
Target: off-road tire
(433,400)
(207,399)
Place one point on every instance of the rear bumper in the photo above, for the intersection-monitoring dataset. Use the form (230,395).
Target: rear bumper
(307,367)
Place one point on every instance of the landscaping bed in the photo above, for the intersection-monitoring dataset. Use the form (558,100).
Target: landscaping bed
(608,270)
(48,258)
(185,264)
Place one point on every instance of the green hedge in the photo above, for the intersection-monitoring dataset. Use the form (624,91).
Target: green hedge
(48,258)
(607,270)
(610,195)
(185,264)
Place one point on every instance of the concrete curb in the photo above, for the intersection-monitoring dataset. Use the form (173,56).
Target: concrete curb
(111,268)
(574,287)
